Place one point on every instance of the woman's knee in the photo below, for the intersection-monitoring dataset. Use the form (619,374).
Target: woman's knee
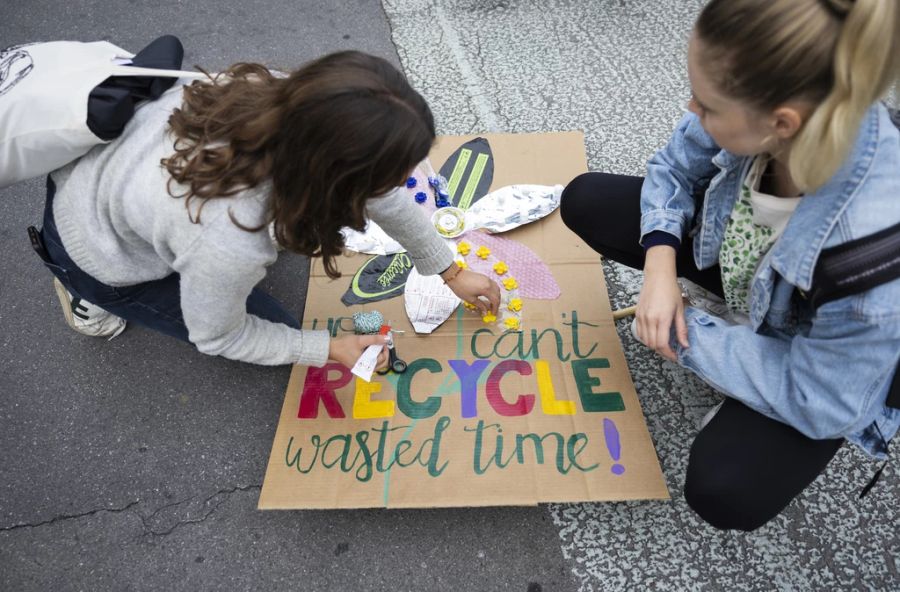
(581,201)
(723,508)
(603,208)
(724,496)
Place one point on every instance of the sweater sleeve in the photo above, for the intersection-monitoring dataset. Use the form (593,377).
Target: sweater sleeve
(218,273)
(407,223)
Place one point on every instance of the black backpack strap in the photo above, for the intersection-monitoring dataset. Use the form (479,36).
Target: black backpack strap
(893,398)
(857,266)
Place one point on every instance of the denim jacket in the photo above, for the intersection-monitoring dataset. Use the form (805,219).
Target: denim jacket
(826,372)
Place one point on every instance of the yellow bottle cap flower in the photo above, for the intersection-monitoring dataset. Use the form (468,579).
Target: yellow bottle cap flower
(512,323)
(510,283)
(463,248)
(489,318)
(515,305)
(462,264)
(500,267)
(483,252)
(468,305)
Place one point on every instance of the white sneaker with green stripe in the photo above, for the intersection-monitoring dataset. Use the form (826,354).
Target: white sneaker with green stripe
(86,318)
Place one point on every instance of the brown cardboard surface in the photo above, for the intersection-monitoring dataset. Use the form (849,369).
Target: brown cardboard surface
(334,462)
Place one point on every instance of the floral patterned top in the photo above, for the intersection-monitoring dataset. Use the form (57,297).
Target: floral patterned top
(756,222)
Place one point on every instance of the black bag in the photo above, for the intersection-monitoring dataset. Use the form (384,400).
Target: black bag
(854,267)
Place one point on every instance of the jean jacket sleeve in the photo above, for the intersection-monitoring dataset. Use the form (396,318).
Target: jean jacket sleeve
(673,175)
(805,382)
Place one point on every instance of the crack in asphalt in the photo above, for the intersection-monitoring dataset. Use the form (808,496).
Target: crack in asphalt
(224,494)
(63,517)
(147,527)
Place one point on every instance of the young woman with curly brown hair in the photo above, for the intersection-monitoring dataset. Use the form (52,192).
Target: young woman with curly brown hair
(167,226)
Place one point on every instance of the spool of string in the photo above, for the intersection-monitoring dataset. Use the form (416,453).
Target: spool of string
(366,323)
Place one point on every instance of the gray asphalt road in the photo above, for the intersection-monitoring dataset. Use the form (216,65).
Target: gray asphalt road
(136,464)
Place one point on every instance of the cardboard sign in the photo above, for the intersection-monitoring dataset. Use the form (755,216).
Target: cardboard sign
(482,416)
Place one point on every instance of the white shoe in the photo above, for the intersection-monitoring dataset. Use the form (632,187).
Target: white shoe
(700,297)
(87,318)
(634,331)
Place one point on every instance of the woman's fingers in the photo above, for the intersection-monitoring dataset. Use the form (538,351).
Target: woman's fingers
(681,327)
(493,296)
(382,362)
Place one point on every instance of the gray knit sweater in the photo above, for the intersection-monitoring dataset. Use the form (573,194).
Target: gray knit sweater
(119,224)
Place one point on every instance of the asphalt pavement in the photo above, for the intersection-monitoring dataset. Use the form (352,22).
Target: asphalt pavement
(135,464)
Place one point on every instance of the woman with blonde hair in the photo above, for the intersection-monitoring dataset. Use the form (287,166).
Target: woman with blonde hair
(786,152)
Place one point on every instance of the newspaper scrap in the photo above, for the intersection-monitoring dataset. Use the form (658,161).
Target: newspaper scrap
(429,302)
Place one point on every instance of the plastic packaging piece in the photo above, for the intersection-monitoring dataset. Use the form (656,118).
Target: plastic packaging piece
(470,172)
(512,206)
(373,240)
(449,222)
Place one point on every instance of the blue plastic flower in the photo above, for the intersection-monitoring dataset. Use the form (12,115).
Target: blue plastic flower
(411,182)
(421,197)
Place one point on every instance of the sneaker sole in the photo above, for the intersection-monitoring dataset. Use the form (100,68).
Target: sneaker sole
(66,304)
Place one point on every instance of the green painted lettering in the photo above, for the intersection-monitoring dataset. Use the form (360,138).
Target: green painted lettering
(591,401)
(415,409)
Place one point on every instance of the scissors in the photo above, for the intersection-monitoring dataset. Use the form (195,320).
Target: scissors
(394,361)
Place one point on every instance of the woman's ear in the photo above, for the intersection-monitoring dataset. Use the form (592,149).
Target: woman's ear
(787,120)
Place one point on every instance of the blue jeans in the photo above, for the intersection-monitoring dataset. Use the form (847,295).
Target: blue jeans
(155,305)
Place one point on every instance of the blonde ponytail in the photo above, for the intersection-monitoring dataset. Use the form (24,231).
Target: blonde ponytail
(841,55)
(865,64)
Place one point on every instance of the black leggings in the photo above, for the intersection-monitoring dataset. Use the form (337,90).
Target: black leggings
(744,467)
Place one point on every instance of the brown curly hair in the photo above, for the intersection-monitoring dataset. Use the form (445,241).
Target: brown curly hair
(340,130)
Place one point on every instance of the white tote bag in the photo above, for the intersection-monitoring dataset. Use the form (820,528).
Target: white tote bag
(44,89)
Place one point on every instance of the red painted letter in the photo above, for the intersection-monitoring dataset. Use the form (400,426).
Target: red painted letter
(318,388)
(523,404)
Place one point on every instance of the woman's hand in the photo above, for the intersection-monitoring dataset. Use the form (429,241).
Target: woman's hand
(660,303)
(473,288)
(347,349)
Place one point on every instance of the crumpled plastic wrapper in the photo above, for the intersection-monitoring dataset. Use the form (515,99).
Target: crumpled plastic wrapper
(499,211)
(512,206)
(374,241)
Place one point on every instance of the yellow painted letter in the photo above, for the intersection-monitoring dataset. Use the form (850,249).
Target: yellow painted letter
(363,405)
(549,404)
